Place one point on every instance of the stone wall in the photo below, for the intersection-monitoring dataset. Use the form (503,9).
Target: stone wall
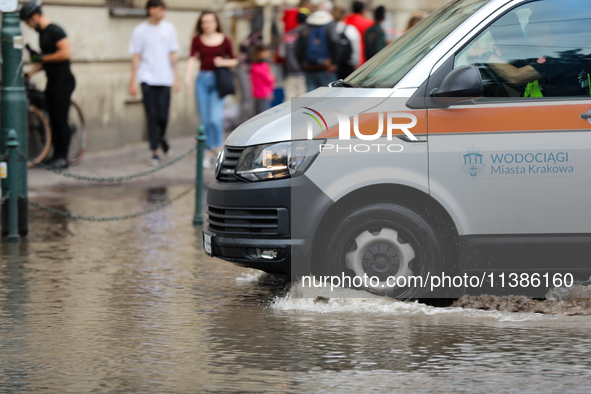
(101,64)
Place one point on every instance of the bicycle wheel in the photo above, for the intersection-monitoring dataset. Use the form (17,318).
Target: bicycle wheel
(78,128)
(39,135)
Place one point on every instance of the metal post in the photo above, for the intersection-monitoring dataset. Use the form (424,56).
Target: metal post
(13,115)
(12,146)
(201,138)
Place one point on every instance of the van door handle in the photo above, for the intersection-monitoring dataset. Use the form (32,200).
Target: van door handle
(420,138)
(586,116)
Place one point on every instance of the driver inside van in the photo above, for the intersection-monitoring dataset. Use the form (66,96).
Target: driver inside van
(552,69)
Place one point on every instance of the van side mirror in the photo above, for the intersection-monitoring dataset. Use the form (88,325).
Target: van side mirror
(460,85)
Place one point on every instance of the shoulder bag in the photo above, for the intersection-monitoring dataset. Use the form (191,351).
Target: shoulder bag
(224,79)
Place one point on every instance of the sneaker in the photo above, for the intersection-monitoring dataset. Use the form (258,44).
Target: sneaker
(155,161)
(207,162)
(59,163)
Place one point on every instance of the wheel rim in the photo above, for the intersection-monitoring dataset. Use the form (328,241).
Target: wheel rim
(380,254)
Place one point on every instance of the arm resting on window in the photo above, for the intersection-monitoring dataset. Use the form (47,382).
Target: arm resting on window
(512,74)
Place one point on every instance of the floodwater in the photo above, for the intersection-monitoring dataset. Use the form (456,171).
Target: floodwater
(135,306)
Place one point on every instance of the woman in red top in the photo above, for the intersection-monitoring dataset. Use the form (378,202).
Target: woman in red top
(214,49)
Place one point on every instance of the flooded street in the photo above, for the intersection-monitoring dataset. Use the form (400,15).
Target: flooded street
(135,306)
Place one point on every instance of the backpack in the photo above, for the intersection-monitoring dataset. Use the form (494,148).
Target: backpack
(317,50)
(345,48)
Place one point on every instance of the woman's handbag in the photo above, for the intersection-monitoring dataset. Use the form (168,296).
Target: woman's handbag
(224,81)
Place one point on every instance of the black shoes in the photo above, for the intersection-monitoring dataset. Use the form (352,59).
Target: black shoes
(59,163)
(165,146)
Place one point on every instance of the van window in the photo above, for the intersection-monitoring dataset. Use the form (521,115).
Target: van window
(539,49)
(387,68)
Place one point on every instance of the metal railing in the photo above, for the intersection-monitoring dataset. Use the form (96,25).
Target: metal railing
(12,196)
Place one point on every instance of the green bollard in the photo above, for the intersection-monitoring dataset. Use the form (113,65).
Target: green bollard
(14,114)
(12,146)
(201,138)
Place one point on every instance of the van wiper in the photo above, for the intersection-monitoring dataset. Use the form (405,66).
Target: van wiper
(342,83)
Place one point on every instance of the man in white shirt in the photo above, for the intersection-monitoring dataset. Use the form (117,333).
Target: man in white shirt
(154,47)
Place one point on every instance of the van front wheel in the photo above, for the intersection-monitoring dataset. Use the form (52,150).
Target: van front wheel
(386,249)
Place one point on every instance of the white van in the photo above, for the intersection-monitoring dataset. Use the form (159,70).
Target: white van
(490,180)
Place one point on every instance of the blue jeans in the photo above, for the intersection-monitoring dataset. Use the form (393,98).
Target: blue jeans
(210,107)
(316,79)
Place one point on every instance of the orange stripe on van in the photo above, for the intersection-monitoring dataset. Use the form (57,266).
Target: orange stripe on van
(369,122)
(503,119)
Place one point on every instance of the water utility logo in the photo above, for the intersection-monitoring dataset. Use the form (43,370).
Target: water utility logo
(370,128)
(521,164)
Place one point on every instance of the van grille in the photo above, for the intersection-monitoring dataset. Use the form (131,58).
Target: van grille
(231,157)
(268,221)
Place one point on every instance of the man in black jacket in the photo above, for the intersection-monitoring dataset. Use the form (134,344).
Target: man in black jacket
(55,60)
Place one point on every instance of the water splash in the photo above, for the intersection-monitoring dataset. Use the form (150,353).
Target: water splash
(263,278)
(571,301)
(251,277)
(323,300)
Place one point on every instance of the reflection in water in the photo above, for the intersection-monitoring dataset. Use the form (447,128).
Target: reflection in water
(157,194)
(135,306)
(55,226)
(14,291)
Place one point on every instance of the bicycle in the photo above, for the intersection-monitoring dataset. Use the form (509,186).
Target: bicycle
(39,130)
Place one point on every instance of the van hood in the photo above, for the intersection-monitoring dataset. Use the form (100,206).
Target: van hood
(275,124)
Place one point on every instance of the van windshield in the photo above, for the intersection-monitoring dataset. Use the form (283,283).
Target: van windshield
(387,68)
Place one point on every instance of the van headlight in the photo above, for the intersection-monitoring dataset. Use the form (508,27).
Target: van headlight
(278,160)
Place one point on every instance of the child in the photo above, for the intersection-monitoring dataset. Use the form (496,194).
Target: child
(262,78)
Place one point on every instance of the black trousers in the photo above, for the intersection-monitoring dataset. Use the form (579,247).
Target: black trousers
(58,94)
(156,104)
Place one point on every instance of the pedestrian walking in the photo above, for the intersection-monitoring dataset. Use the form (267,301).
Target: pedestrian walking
(358,20)
(317,47)
(154,47)
(349,45)
(243,72)
(54,58)
(375,37)
(294,83)
(262,78)
(214,50)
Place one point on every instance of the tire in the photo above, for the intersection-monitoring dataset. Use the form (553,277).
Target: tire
(385,240)
(78,141)
(38,135)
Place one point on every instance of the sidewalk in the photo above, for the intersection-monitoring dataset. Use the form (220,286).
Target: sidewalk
(123,161)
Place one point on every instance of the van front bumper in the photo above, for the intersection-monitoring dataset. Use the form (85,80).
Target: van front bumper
(252,224)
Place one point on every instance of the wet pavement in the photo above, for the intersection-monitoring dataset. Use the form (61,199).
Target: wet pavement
(129,159)
(135,306)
